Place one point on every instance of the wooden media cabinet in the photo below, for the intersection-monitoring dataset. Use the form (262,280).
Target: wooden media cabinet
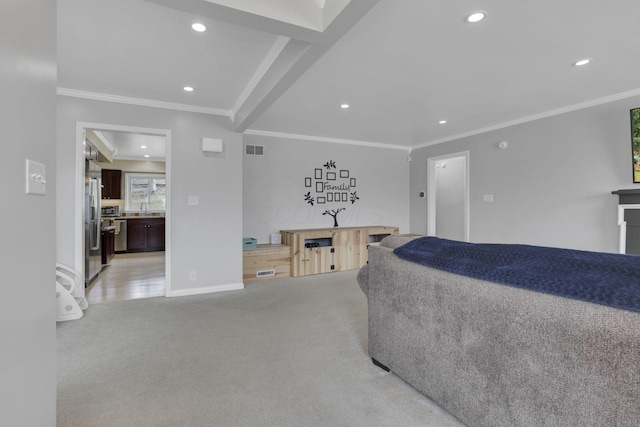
(324,250)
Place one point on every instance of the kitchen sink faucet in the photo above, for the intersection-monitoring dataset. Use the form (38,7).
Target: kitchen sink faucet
(145,206)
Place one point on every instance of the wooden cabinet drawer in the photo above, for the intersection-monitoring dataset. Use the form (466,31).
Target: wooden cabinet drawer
(265,259)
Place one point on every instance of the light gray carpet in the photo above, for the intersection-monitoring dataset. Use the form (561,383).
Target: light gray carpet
(281,352)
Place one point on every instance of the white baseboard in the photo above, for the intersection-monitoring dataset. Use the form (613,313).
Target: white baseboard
(207,290)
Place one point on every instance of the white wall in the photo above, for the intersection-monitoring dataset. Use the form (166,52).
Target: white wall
(27,248)
(204,238)
(552,185)
(274,186)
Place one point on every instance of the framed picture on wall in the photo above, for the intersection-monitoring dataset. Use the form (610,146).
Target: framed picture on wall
(635,143)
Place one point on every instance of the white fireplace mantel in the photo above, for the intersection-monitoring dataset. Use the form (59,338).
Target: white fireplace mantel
(623,226)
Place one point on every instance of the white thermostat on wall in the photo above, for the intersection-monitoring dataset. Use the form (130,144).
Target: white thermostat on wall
(276,239)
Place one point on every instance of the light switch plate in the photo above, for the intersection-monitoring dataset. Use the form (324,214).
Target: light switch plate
(36,175)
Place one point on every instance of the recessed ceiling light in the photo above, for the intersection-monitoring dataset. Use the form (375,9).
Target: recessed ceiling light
(146,155)
(188,89)
(442,122)
(582,62)
(344,106)
(476,17)
(199,27)
(143,146)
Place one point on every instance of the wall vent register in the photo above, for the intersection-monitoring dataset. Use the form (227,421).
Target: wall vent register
(265,273)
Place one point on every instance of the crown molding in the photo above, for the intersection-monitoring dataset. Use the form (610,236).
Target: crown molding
(568,109)
(311,138)
(74,93)
(105,141)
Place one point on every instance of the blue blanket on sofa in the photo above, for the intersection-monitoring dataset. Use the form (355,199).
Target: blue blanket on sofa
(601,278)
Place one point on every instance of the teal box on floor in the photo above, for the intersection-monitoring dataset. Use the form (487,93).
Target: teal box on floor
(249,243)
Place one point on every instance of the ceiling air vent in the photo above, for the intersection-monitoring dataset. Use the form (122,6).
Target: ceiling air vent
(254,150)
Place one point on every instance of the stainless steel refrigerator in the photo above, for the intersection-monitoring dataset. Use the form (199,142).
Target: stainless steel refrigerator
(92,196)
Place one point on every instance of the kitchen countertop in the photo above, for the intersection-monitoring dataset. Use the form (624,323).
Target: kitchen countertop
(133,217)
(142,217)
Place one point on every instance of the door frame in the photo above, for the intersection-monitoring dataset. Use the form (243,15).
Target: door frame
(431,191)
(81,128)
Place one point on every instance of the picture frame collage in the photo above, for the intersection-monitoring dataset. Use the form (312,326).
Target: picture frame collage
(330,186)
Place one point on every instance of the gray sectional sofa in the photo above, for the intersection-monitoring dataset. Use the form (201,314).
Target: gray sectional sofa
(495,355)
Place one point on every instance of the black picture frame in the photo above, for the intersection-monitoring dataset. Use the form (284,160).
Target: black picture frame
(635,143)
(307,182)
(352,182)
(318,173)
(344,173)
(329,197)
(331,176)
(320,200)
(319,187)
(345,197)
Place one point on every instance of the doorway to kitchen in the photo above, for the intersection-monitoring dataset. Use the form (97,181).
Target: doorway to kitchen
(135,209)
(448,196)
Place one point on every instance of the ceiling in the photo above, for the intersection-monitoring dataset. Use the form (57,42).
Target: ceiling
(283,68)
(136,146)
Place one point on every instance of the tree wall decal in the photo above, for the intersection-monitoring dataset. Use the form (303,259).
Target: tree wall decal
(334,213)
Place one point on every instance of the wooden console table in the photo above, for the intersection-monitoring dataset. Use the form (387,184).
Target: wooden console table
(324,250)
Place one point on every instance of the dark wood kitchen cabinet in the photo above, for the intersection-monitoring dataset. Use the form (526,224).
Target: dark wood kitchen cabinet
(108,246)
(145,234)
(111,184)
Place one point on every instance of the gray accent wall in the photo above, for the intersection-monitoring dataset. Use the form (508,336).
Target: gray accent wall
(552,185)
(204,238)
(27,247)
(274,186)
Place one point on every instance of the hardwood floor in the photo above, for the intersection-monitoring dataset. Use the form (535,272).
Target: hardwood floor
(129,276)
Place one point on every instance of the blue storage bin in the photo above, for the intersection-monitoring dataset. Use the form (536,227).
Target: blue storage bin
(249,243)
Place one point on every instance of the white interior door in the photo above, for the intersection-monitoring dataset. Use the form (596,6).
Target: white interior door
(448,196)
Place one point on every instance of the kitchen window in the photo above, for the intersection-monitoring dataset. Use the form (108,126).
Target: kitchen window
(145,192)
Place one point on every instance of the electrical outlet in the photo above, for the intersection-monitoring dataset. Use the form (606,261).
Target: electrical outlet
(192,276)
